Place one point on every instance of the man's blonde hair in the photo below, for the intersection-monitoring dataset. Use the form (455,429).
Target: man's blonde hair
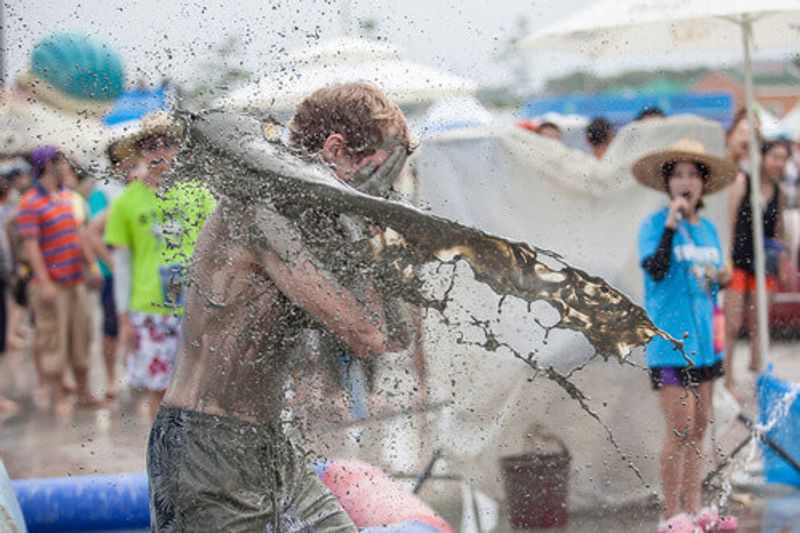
(360,112)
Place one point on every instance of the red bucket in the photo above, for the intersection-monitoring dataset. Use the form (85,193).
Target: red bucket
(536,488)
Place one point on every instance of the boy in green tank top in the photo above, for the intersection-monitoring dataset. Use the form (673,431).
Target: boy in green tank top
(152,233)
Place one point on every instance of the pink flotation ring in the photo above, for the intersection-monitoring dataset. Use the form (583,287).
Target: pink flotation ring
(376,502)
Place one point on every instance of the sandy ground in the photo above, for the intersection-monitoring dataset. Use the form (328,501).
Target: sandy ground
(37,444)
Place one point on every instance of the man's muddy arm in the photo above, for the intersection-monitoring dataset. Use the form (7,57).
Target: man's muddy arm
(360,323)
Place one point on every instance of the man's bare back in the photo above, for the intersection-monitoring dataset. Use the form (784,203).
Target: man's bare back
(253,290)
(230,362)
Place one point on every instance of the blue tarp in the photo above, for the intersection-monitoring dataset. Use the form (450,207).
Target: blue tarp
(779,406)
(136,103)
(621,109)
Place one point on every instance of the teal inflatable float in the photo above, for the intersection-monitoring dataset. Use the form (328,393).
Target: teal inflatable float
(78,66)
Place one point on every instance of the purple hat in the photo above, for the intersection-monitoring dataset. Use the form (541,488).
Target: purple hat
(42,155)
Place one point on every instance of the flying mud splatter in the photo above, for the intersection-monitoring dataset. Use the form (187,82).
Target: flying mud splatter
(231,151)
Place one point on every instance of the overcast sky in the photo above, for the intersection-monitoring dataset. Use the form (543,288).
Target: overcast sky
(465,37)
(172,37)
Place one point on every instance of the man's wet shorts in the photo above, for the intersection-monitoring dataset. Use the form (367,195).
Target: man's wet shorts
(216,473)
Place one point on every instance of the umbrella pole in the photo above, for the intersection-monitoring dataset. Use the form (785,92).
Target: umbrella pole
(755,197)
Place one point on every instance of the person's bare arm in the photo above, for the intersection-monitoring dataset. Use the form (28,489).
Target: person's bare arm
(779,227)
(121,265)
(36,260)
(735,197)
(94,234)
(784,274)
(86,248)
(93,279)
(360,323)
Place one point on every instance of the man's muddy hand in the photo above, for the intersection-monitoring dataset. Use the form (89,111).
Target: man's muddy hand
(378,180)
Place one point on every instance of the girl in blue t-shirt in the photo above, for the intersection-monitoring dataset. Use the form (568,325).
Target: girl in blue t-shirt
(681,255)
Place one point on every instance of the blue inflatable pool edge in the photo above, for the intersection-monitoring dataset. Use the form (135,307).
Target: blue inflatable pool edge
(84,503)
(113,502)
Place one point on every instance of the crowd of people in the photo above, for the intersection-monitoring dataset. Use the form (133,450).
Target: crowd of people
(695,292)
(68,237)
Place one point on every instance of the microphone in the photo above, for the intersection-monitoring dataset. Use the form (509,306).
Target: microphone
(681,213)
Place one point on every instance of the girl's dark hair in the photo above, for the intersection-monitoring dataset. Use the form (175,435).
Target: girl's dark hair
(767,146)
(737,118)
(669,167)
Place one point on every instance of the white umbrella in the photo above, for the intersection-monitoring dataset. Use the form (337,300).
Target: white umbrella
(344,60)
(648,26)
(26,123)
(791,123)
(771,126)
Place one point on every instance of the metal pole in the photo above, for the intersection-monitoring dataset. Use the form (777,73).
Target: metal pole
(755,197)
(2,46)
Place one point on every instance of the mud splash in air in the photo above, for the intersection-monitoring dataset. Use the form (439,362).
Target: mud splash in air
(231,152)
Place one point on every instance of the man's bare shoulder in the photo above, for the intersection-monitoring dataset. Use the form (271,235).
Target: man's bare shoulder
(225,231)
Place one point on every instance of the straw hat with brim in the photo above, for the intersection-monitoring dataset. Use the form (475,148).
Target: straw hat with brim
(156,124)
(647,170)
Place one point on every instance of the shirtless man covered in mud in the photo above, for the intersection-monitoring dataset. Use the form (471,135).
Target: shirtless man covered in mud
(218,457)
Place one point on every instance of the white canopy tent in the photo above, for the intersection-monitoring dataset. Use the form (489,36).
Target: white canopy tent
(791,123)
(343,60)
(531,188)
(771,126)
(651,26)
(26,123)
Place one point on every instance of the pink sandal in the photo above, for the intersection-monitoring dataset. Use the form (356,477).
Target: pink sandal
(680,523)
(709,520)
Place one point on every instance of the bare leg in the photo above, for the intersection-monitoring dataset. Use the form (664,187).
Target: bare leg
(60,402)
(678,408)
(16,318)
(85,398)
(692,481)
(41,381)
(734,313)
(153,402)
(40,393)
(80,337)
(110,358)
